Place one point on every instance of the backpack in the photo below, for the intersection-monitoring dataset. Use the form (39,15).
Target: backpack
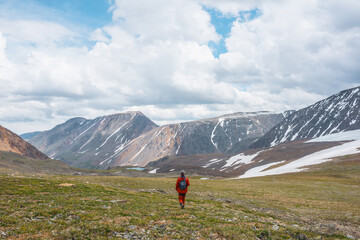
(182,184)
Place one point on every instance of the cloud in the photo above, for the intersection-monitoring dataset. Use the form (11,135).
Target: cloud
(155,57)
(290,46)
(161,19)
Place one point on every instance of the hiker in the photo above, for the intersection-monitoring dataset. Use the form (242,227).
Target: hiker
(182,184)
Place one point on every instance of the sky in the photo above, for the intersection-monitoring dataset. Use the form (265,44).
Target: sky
(174,61)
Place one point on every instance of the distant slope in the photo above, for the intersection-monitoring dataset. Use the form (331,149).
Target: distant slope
(14,163)
(340,112)
(226,134)
(87,143)
(10,142)
(27,136)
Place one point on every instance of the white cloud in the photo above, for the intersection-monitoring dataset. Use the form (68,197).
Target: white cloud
(162,19)
(290,46)
(39,32)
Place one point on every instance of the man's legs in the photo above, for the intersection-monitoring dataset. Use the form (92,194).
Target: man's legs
(182,200)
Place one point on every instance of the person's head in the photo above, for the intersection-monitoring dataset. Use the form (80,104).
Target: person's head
(182,173)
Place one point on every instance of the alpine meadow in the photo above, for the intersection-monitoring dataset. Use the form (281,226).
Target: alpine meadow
(182,119)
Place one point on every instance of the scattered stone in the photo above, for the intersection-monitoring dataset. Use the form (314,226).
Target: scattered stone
(350,237)
(73,217)
(276,227)
(161,191)
(132,227)
(56,217)
(66,185)
(118,201)
(264,235)
(148,190)
(38,218)
(2,233)
(302,237)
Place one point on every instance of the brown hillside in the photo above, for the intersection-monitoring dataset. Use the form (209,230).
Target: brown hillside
(10,142)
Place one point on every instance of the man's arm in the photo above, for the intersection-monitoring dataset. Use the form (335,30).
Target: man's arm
(177,184)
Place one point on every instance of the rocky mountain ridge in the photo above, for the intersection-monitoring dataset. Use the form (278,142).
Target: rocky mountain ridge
(326,130)
(88,143)
(229,133)
(337,113)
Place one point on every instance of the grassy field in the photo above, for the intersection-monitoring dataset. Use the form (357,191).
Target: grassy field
(321,204)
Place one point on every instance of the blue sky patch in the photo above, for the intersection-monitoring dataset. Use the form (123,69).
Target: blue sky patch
(223,24)
(91,13)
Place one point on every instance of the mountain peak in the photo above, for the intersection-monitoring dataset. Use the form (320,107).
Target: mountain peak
(90,143)
(133,113)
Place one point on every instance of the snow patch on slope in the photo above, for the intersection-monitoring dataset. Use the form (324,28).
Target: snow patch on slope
(153,171)
(211,162)
(116,131)
(240,159)
(314,158)
(213,131)
(342,136)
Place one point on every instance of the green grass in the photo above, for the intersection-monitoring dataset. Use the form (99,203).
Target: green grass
(322,204)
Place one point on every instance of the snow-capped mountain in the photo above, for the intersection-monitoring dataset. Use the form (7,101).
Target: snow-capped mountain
(338,113)
(88,143)
(225,134)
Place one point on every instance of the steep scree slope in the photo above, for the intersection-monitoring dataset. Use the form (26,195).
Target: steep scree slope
(338,113)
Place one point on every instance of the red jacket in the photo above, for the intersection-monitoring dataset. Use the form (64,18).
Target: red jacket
(177,187)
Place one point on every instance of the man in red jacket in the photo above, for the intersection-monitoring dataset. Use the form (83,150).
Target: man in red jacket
(182,184)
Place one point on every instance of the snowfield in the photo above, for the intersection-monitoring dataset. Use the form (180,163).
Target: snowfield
(153,171)
(239,159)
(351,147)
(342,136)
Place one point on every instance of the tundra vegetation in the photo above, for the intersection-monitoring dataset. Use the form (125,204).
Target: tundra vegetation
(319,204)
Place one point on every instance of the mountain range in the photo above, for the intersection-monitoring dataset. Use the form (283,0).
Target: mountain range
(229,145)
(230,133)
(133,139)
